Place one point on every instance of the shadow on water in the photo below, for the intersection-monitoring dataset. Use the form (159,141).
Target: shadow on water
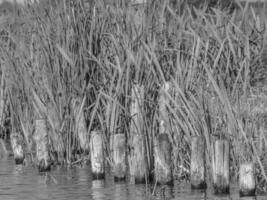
(20,182)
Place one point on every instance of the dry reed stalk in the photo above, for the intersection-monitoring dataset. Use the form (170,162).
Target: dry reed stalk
(54,128)
(80,124)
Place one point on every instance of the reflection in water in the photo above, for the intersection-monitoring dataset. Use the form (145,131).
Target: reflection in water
(199,194)
(164,192)
(222,197)
(97,190)
(97,184)
(20,182)
(119,191)
(248,198)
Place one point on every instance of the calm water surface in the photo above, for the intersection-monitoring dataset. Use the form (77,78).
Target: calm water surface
(19,182)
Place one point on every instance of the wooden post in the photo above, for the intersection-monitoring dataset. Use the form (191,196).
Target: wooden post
(2,95)
(3,150)
(162,159)
(162,146)
(137,160)
(41,139)
(97,155)
(118,154)
(221,167)
(80,124)
(138,2)
(137,102)
(197,170)
(137,153)
(139,15)
(164,125)
(16,144)
(247,182)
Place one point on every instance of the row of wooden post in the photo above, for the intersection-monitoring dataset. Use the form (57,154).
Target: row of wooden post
(162,162)
(138,169)
(220,167)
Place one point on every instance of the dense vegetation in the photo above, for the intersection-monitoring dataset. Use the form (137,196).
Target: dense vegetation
(52,55)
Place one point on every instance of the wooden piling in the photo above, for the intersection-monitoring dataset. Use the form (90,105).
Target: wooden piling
(41,140)
(139,12)
(118,154)
(247,182)
(162,159)
(197,169)
(162,145)
(137,103)
(137,150)
(4,153)
(137,160)
(221,167)
(16,144)
(164,125)
(138,2)
(97,155)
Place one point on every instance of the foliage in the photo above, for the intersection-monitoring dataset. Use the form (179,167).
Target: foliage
(95,51)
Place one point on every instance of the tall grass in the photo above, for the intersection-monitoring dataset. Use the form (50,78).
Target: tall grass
(94,51)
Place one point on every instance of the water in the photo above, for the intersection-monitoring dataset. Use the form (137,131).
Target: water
(20,182)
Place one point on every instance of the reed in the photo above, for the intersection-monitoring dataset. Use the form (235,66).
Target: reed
(215,62)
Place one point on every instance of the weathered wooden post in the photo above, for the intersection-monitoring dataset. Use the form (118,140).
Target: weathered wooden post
(3,150)
(41,140)
(80,124)
(97,155)
(197,169)
(137,153)
(137,160)
(118,148)
(162,162)
(247,182)
(164,125)
(162,146)
(138,2)
(221,167)
(139,16)
(16,144)
(2,95)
